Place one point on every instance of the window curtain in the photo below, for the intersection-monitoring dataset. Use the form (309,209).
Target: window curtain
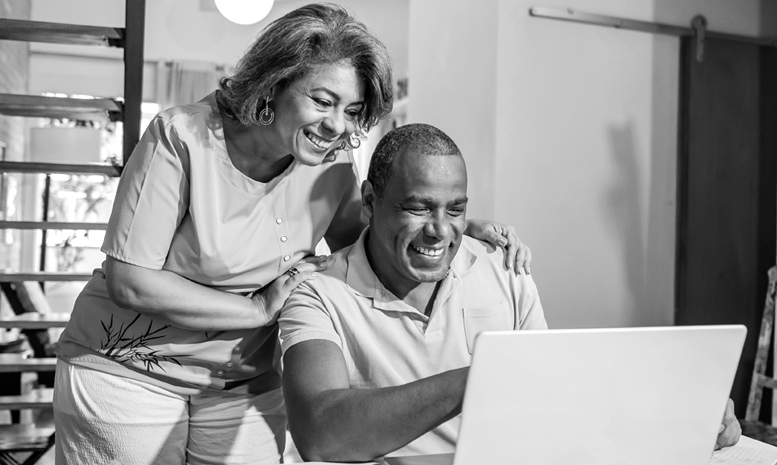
(182,82)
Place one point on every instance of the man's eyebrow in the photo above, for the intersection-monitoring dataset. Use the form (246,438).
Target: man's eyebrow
(333,94)
(426,200)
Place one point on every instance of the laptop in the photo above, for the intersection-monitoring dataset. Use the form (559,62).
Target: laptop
(637,396)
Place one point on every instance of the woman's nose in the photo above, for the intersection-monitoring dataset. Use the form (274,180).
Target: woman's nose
(335,123)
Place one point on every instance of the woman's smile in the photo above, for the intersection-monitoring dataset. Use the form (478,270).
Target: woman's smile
(319,142)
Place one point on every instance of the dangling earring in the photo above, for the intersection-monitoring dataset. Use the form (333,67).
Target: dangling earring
(267,116)
(352,142)
(355,140)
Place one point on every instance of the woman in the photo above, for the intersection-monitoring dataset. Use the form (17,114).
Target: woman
(170,353)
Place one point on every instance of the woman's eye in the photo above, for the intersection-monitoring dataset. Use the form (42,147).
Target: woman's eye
(353,114)
(321,102)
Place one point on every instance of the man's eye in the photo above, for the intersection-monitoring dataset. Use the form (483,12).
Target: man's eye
(456,211)
(418,211)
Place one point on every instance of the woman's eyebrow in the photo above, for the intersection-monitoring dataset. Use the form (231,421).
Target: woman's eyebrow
(333,94)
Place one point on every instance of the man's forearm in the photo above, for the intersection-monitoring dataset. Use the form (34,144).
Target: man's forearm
(362,424)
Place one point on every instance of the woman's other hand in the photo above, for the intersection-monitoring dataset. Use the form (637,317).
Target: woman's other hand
(270,299)
(517,254)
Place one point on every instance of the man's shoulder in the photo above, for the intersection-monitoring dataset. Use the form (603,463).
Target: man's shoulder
(483,263)
(334,277)
(482,253)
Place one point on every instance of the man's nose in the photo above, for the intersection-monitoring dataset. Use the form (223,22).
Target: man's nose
(438,226)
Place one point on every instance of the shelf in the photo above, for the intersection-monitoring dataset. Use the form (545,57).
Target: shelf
(15,363)
(43,276)
(36,399)
(48,225)
(36,106)
(33,320)
(67,168)
(58,33)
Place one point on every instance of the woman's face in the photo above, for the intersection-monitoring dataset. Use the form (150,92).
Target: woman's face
(315,113)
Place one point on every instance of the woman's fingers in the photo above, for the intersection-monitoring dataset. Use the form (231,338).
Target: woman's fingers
(313,259)
(511,250)
(523,259)
(295,280)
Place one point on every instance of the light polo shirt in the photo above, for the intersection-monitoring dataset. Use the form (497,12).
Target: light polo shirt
(182,206)
(386,342)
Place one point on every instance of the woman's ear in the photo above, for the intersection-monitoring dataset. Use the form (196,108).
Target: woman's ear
(369,197)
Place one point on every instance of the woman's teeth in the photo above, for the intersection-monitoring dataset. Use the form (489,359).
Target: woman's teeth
(428,252)
(317,141)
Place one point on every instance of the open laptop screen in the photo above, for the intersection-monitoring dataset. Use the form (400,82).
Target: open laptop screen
(598,396)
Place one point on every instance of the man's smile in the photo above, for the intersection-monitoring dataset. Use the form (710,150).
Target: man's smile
(429,252)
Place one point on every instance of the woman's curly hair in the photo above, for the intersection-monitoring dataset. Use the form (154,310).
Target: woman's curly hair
(293,45)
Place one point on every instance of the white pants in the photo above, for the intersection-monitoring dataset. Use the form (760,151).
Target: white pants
(102,418)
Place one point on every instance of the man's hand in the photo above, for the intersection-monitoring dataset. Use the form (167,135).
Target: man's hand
(730,430)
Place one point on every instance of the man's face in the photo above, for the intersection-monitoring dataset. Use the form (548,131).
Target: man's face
(416,228)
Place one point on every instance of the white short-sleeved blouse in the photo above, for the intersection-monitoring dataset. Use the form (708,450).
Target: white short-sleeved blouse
(182,206)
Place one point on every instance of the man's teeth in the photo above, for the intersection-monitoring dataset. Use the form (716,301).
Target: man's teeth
(429,252)
(317,141)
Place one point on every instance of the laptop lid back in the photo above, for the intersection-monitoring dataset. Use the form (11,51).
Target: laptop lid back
(638,396)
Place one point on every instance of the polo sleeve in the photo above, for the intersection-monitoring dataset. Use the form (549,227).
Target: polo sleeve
(151,199)
(348,223)
(528,309)
(304,317)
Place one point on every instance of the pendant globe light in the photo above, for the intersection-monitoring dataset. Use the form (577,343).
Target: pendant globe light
(244,11)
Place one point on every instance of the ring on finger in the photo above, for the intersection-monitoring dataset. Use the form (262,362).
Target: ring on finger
(293,271)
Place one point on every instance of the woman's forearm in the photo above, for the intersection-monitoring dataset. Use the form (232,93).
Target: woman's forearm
(179,302)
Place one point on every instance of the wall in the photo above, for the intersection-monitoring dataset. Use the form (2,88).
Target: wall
(583,144)
(453,84)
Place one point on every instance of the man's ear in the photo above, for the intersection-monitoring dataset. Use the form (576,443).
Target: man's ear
(368,199)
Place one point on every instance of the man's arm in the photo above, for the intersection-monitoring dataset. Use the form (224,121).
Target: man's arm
(329,421)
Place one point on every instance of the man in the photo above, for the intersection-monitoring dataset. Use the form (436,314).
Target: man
(376,348)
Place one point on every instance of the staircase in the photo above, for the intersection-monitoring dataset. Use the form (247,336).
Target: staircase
(24,441)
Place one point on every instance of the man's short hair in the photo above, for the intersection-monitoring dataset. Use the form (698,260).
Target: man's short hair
(423,138)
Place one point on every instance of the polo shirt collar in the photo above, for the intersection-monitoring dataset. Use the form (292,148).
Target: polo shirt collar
(362,279)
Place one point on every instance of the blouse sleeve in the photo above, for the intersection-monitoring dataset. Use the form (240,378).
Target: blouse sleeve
(151,199)
(348,221)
